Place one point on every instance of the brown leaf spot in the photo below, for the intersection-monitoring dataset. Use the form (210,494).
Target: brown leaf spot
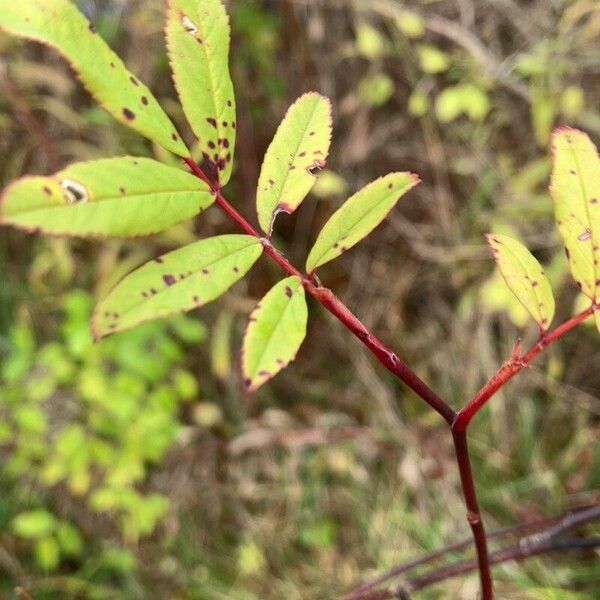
(534,283)
(232,124)
(311,133)
(211,145)
(169,279)
(134,80)
(205,271)
(196,299)
(572,171)
(567,253)
(47,190)
(228,102)
(174,137)
(288,291)
(302,154)
(144,100)
(225,143)
(112,65)
(122,190)
(158,260)
(92,28)
(128,114)
(593,200)
(236,270)
(225,123)
(211,121)
(390,186)
(153,291)
(263,373)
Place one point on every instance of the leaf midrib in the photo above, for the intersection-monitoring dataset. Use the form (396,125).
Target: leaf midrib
(355,222)
(108,199)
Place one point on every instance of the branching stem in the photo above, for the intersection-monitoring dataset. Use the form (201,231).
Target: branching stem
(515,364)
(457,421)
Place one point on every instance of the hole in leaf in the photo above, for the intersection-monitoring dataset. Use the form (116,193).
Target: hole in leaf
(73,192)
(188,25)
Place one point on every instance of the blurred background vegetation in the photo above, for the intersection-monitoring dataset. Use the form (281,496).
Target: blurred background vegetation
(136,468)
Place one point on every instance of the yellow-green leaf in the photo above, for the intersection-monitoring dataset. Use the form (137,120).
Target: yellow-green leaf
(198,43)
(123,197)
(358,216)
(575,189)
(294,158)
(275,332)
(524,277)
(58,23)
(178,281)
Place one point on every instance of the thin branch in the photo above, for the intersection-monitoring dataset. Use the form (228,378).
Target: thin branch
(513,366)
(539,543)
(389,359)
(437,554)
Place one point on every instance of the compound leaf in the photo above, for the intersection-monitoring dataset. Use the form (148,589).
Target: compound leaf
(275,331)
(358,216)
(524,277)
(178,281)
(198,44)
(294,157)
(575,189)
(58,23)
(120,197)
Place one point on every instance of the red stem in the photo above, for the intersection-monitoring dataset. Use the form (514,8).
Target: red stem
(458,421)
(512,367)
(336,307)
(473,516)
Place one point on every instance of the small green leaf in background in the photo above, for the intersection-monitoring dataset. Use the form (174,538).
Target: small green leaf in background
(410,24)
(294,158)
(124,196)
(198,44)
(432,59)
(47,553)
(572,101)
(220,346)
(178,281)
(369,42)
(525,277)
(275,331)
(376,90)
(329,184)
(460,99)
(418,104)
(34,524)
(575,190)
(358,216)
(60,25)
